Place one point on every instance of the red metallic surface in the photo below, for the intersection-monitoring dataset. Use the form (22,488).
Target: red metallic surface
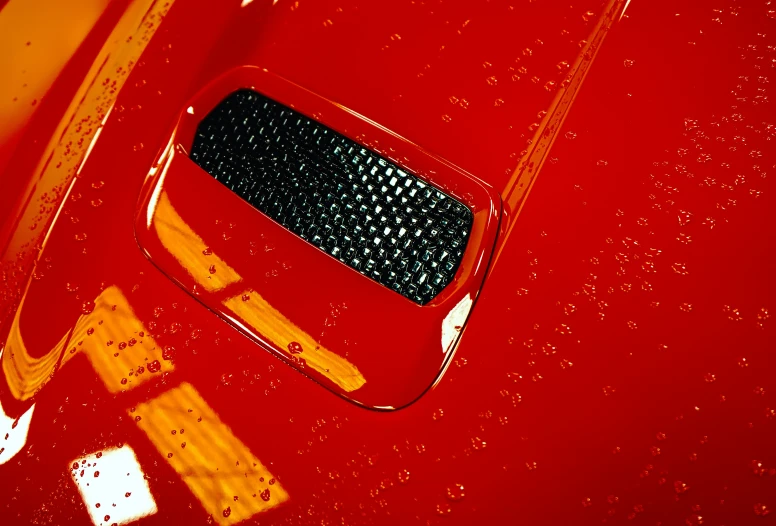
(617,367)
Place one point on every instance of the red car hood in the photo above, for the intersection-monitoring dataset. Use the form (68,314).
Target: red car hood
(616,366)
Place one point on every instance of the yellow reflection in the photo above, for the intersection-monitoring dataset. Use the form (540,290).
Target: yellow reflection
(25,374)
(255,311)
(132,354)
(93,100)
(37,38)
(229,481)
(189,249)
(117,363)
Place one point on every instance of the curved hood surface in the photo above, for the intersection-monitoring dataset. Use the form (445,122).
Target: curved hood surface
(615,366)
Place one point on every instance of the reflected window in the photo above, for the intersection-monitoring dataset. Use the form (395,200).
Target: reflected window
(113,486)
(223,474)
(15,431)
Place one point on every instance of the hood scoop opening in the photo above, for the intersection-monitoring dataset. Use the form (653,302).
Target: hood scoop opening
(343,249)
(336,194)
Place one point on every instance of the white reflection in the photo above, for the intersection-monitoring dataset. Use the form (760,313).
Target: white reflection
(453,322)
(17,433)
(166,158)
(113,486)
(625,9)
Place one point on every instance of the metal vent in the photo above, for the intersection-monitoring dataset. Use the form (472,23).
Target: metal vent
(336,194)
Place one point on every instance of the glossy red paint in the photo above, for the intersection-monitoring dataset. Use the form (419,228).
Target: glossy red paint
(617,366)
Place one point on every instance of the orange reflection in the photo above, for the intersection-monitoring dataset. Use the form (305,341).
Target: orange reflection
(76,131)
(37,39)
(116,343)
(256,312)
(24,374)
(229,481)
(188,248)
(124,363)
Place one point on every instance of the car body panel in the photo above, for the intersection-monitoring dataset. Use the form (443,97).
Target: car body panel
(617,366)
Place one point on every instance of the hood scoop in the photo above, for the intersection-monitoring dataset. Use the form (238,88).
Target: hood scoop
(348,252)
(336,194)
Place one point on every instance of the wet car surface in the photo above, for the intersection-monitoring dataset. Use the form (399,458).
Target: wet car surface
(616,366)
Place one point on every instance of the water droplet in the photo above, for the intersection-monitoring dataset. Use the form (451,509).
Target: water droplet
(295,348)
(732,313)
(628,63)
(478,443)
(154,366)
(455,492)
(680,268)
(404,476)
(684,217)
(438,414)
(87,307)
(168,353)
(570,135)
(492,81)
(443,509)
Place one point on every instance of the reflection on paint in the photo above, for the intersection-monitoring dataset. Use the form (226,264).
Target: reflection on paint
(14,432)
(113,486)
(75,132)
(112,337)
(229,481)
(257,313)
(189,249)
(522,179)
(116,343)
(24,374)
(453,322)
(37,39)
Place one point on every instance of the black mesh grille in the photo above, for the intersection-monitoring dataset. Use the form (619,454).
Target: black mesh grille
(343,198)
